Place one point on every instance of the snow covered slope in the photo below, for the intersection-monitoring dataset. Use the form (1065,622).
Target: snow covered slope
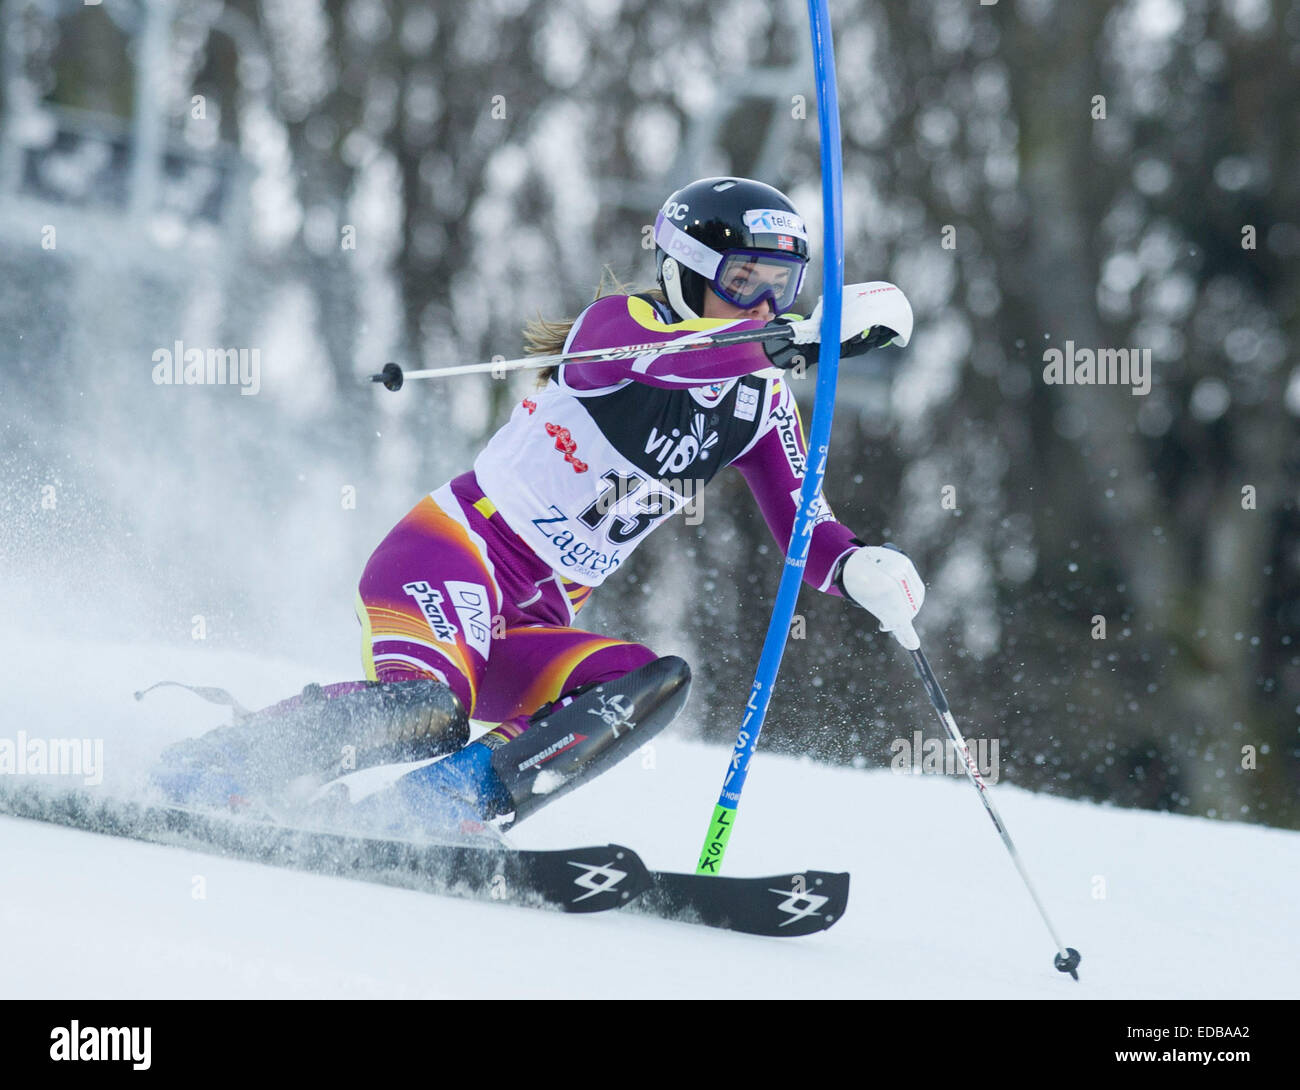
(1160,906)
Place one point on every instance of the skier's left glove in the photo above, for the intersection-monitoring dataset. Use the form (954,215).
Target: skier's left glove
(883,581)
(872,315)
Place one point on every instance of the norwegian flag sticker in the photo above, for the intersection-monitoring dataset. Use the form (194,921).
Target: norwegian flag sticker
(784,242)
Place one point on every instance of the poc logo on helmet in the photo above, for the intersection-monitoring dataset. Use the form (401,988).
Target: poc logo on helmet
(681,245)
(674,210)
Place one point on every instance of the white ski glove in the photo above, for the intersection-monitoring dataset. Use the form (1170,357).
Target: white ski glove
(884,582)
(875,305)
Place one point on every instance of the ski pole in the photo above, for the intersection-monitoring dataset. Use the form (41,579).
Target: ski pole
(1067,958)
(787,593)
(392,376)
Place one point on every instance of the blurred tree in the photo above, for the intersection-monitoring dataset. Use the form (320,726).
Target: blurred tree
(1116,174)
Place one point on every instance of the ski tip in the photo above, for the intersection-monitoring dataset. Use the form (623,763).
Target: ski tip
(777,906)
(594,878)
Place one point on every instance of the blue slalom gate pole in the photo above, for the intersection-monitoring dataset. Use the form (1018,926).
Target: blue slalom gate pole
(778,629)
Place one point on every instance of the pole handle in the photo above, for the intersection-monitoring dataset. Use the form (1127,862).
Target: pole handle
(391,376)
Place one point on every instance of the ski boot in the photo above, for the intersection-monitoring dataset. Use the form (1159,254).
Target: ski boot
(566,744)
(325,732)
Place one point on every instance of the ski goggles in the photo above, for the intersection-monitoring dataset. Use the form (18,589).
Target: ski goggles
(744,277)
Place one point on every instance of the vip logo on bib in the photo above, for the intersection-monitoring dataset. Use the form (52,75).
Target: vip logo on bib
(675,456)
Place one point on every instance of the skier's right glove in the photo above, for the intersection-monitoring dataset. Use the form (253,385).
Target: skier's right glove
(883,581)
(872,315)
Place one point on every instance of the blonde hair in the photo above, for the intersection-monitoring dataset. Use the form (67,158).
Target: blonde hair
(546,336)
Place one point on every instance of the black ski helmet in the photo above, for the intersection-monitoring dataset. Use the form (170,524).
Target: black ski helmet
(702,223)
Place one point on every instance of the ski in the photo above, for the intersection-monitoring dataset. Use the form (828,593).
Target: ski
(782,906)
(590,878)
(582,879)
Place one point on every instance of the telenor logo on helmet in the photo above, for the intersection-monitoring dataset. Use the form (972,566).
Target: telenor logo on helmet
(773,221)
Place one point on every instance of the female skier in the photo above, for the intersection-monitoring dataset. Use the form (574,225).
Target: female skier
(468,605)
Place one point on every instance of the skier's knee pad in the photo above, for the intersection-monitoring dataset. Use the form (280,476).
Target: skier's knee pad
(569,745)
